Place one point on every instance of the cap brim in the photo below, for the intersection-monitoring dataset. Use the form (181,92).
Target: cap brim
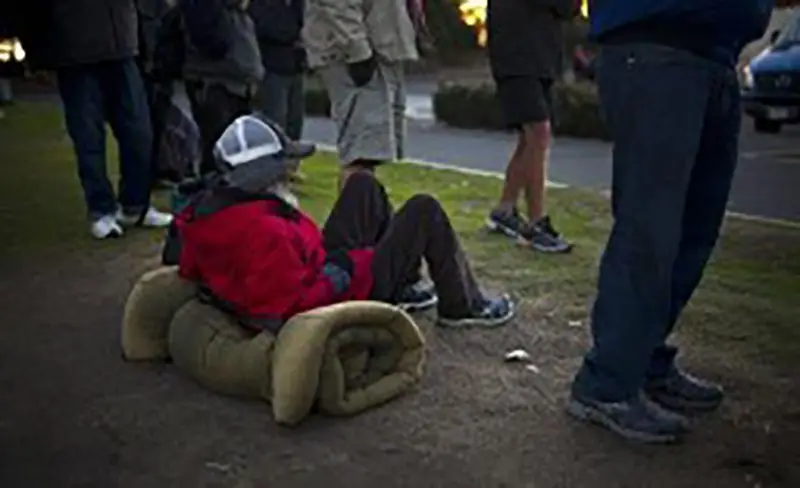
(299,150)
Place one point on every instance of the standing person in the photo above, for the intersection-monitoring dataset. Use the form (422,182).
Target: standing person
(159,91)
(222,67)
(525,53)
(280,96)
(671,98)
(93,48)
(359,47)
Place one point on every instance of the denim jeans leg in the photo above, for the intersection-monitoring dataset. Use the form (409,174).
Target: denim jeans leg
(129,117)
(273,97)
(706,201)
(296,109)
(655,100)
(84,114)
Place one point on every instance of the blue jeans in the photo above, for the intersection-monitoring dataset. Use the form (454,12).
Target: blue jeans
(675,119)
(91,95)
(281,99)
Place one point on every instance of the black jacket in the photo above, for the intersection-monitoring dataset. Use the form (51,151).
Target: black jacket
(526,37)
(61,33)
(278,27)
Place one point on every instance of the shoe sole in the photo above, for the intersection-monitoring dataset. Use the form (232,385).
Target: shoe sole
(498,228)
(114,234)
(475,322)
(550,249)
(418,306)
(684,406)
(586,413)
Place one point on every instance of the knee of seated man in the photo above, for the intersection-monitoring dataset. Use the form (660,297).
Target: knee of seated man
(427,205)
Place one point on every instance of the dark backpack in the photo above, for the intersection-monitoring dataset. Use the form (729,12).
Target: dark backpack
(178,144)
(169,53)
(209,26)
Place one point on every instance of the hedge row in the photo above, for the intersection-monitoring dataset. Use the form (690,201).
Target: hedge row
(576,105)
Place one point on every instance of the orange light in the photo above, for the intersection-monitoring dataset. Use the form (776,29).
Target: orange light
(473,14)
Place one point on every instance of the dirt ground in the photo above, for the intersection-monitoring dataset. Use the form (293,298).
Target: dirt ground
(73,414)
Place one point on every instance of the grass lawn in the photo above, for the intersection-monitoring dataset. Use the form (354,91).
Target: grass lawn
(748,300)
(474,421)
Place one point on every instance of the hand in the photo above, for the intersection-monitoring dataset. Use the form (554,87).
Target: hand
(361,72)
(339,278)
(341,259)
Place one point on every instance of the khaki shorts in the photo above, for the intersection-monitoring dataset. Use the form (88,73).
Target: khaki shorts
(370,120)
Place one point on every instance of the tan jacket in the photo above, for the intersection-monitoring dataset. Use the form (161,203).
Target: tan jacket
(352,30)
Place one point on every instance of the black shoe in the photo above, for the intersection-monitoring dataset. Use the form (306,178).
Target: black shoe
(511,224)
(543,237)
(489,313)
(418,297)
(635,419)
(682,392)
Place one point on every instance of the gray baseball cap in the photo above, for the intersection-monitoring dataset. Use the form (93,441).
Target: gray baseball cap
(254,152)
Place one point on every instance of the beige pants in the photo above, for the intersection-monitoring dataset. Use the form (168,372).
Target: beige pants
(370,120)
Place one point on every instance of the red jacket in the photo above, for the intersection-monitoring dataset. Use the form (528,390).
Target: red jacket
(264,258)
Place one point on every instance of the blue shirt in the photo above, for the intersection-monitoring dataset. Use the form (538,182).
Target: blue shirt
(724,26)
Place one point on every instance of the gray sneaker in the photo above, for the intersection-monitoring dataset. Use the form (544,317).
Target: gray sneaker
(543,237)
(510,224)
(490,312)
(635,420)
(418,297)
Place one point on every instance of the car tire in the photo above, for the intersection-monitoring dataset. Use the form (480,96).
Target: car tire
(765,126)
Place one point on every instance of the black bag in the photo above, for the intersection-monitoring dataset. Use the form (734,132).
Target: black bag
(209,26)
(169,53)
(186,194)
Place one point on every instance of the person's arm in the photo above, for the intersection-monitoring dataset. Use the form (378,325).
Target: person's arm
(346,19)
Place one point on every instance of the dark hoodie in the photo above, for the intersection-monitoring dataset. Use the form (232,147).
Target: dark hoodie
(278,26)
(715,29)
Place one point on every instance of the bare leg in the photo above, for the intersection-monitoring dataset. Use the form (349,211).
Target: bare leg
(537,145)
(515,178)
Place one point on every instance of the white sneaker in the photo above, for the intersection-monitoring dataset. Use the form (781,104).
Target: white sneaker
(105,227)
(152,218)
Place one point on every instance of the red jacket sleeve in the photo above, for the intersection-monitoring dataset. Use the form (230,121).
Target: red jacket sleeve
(279,283)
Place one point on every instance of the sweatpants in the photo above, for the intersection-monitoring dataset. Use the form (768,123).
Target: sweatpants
(420,230)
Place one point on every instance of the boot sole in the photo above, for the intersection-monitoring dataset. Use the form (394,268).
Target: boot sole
(586,413)
(418,306)
(477,322)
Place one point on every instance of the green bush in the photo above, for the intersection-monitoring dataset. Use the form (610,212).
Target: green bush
(577,109)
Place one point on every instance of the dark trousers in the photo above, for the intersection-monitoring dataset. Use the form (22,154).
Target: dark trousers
(675,121)
(362,217)
(110,91)
(281,98)
(214,107)
(159,99)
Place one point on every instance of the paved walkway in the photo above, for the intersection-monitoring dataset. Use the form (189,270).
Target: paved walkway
(766,183)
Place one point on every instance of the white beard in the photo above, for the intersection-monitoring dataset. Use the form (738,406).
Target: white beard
(284,193)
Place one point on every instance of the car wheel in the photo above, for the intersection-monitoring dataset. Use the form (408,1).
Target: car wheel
(765,126)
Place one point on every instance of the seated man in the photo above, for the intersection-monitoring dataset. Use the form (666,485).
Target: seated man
(245,240)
